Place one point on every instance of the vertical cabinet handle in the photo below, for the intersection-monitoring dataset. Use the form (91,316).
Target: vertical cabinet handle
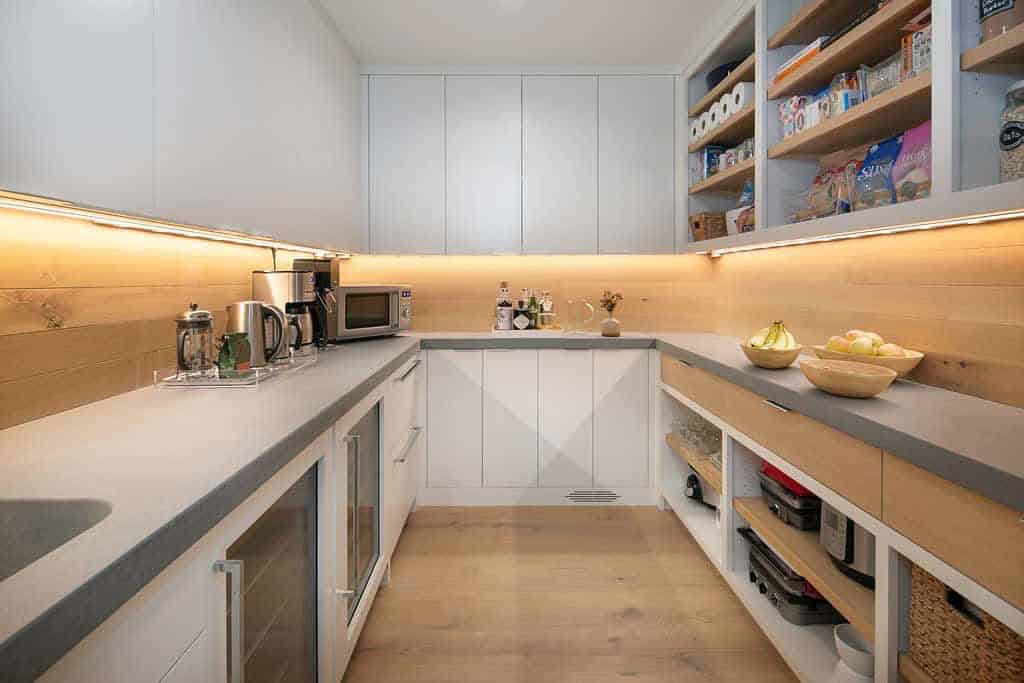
(235,569)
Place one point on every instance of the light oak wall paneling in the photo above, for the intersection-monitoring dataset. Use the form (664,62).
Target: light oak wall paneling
(87,312)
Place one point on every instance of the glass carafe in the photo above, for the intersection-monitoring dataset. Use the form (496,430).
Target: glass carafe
(195,341)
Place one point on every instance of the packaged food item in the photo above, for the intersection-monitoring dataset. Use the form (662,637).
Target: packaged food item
(881,77)
(831,190)
(873,185)
(799,59)
(1011,134)
(710,156)
(844,93)
(789,109)
(746,197)
(996,17)
(912,172)
(916,53)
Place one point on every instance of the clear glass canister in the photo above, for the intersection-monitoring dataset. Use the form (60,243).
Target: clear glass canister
(1011,134)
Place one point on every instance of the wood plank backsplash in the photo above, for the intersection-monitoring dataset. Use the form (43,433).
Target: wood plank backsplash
(86,312)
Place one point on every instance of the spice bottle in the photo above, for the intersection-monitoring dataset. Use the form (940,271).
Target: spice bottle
(1011,134)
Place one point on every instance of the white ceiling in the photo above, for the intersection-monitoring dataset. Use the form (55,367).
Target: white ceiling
(524,32)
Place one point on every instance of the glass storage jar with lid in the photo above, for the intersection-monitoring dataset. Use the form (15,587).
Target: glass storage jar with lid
(1011,134)
(195,341)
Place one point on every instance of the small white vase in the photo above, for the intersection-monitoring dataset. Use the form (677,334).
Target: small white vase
(610,327)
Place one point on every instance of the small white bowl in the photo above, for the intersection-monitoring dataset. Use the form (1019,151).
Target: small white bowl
(854,651)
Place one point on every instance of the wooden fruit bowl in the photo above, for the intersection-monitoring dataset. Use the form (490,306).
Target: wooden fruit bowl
(846,378)
(902,365)
(770,358)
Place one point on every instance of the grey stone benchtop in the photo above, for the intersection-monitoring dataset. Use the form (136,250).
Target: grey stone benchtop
(173,463)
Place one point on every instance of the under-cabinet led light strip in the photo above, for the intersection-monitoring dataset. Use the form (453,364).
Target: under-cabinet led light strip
(871,232)
(110,220)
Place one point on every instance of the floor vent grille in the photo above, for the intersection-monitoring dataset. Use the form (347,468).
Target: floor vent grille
(593,496)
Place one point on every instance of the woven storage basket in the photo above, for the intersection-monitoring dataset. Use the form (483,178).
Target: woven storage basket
(707,225)
(955,645)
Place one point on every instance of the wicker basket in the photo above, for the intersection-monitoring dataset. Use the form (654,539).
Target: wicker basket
(954,641)
(707,225)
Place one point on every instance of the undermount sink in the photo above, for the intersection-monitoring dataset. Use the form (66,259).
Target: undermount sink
(33,527)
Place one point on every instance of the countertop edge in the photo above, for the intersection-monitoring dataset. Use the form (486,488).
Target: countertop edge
(456,343)
(38,645)
(978,477)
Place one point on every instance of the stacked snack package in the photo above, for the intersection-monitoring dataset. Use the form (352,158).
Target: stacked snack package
(874,186)
(912,171)
(831,189)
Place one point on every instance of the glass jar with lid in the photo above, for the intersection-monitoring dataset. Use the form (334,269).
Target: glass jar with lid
(1011,134)
(195,341)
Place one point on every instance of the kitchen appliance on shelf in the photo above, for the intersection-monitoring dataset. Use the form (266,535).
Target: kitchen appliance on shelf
(325,279)
(254,319)
(851,546)
(272,591)
(195,341)
(293,292)
(788,500)
(369,311)
(362,503)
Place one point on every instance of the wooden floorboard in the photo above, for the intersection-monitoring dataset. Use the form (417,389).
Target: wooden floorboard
(562,594)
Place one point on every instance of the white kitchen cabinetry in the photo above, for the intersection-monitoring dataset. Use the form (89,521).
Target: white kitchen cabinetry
(621,418)
(76,114)
(402,433)
(454,419)
(483,164)
(560,164)
(636,158)
(510,418)
(406,164)
(566,427)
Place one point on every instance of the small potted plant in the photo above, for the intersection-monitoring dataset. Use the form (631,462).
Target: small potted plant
(610,326)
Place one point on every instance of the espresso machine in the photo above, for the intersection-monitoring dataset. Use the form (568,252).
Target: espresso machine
(293,292)
(325,279)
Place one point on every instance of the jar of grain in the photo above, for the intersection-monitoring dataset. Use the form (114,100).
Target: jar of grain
(1011,134)
(999,16)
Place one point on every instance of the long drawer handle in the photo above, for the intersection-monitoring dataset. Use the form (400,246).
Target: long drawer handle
(236,570)
(414,434)
(684,363)
(405,375)
(772,404)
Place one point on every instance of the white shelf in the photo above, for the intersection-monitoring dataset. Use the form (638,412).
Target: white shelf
(699,521)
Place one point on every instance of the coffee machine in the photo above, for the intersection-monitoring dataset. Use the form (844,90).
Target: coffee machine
(325,279)
(293,292)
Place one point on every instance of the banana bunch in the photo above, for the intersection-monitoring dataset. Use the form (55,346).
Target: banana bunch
(775,337)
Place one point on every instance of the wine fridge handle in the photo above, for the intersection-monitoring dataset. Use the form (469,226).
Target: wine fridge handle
(235,569)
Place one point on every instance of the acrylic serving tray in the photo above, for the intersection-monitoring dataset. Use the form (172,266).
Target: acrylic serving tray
(166,378)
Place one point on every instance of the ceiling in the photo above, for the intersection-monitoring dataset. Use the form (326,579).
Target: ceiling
(524,32)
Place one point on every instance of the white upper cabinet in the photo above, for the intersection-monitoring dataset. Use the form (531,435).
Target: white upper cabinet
(76,101)
(406,164)
(510,418)
(621,418)
(636,195)
(560,162)
(258,121)
(483,169)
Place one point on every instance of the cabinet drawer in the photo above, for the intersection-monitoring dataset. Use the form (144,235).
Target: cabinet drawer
(848,466)
(400,406)
(981,538)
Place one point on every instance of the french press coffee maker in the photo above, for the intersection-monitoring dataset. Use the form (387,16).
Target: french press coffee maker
(195,341)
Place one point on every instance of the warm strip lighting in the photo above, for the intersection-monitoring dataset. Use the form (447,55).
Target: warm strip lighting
(871,232)
(113,220)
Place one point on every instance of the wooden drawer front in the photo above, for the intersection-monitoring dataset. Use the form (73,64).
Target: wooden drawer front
(846,465)
(981,538)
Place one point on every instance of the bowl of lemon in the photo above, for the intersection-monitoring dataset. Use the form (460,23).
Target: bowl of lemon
(773,348)
(870,348)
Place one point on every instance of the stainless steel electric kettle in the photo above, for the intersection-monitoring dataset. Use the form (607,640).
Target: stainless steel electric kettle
(252,318)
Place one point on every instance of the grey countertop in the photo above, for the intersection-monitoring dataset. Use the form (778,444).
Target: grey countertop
(126,450)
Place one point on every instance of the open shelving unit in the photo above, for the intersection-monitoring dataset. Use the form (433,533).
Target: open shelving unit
(731,132)
(742,73)
(1002,54)
(730,180)
(700,464)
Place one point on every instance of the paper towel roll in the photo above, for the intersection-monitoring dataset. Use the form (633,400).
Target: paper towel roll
(725,105)
(715,116)
(694,129)
(741,96)
(704,123)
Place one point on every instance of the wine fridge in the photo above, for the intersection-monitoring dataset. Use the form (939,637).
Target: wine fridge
(272,591)
(362,506)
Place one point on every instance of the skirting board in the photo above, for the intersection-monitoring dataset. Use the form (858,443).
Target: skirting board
(438,497)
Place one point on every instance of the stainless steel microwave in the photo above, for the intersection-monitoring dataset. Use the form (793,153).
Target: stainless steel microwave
(368,311)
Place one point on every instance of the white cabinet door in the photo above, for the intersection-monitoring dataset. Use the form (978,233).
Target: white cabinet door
(510,418)
(621,428)
(484,165)
(566,425)
(454,419)
(406,167)
(636,196)
(76,109)
(196,665)
(560,162)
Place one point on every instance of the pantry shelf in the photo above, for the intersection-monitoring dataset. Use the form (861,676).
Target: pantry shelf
(701,465)
(816,18)
(735,130)
(729,180)
(894,111)
(801,550)
(875,39)
(1002,54)
(742,73)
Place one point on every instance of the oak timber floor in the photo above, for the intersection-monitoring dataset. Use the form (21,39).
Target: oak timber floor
(557,594)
